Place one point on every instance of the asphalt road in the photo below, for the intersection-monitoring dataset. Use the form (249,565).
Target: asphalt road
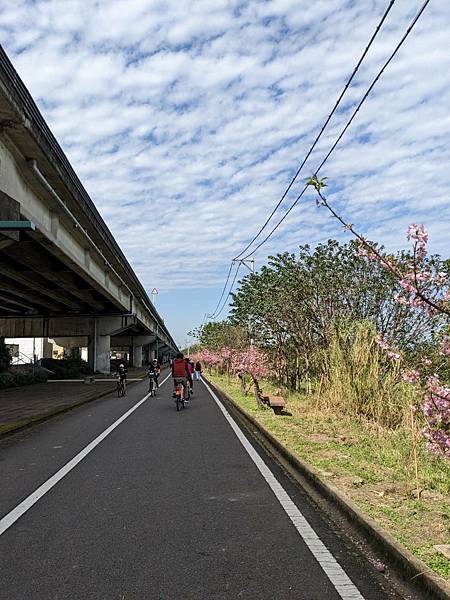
(167,506)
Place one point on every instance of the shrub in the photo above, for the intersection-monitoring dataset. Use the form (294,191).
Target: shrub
(7,380)
(23,375)
(66,368)
(23,379)
(40,377)
(5,356)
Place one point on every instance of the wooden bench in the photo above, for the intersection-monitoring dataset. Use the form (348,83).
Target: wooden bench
(276,403)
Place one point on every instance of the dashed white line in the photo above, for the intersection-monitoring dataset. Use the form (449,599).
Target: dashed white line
(344,586)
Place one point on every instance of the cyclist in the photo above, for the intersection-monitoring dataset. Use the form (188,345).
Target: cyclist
(180,374)
(157,368)
(190,370)
(198,371)
(122,374)
(153,371)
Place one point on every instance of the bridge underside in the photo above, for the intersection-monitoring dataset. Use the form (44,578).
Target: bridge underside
(41,295)
(62,273)
(44,294)
(36,282)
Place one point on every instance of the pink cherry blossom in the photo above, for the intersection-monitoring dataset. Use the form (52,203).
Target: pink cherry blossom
(252,361)
(401,300)
(444,346)
(412,376)
(433,381)
(417,232)
(381,343)
(441,278)
(425,291)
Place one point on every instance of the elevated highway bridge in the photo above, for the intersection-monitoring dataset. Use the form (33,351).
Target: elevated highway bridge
(62,274)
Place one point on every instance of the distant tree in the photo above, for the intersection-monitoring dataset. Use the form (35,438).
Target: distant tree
(289,307)
(223,334)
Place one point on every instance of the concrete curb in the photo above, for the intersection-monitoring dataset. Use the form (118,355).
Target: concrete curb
(59,411)
(406,565)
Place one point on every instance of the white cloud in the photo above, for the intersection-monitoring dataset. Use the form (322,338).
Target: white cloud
(185,121)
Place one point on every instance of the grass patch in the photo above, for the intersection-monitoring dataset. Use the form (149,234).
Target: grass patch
(6,427)
(372,466)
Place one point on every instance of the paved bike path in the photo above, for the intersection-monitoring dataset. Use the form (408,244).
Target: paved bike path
(169,505)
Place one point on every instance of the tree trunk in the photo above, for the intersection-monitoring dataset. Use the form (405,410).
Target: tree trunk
(258,392)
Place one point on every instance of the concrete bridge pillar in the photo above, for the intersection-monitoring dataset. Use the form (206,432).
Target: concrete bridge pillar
(137,356)
(153,348)
(99,353)
(147,355)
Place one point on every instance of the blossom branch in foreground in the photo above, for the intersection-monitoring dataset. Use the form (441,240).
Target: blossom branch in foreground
(415,281)
(410,282)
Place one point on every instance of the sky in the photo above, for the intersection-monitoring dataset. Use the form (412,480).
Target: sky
(185,121)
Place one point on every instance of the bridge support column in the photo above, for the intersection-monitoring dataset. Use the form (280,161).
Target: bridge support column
(147,355)
(99,353)
(137,356)
(152,352)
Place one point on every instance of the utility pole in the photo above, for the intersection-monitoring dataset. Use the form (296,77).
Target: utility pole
(250,264)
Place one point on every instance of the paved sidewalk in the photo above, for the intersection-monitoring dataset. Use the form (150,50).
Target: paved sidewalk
(23,405)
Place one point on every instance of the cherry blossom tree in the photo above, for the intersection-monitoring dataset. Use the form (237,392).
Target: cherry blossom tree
(255,363)
(425,290)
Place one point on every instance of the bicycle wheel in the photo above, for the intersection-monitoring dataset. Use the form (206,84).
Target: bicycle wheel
(178,401)
(119,389)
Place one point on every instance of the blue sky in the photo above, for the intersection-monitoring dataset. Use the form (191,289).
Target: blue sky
(186,120)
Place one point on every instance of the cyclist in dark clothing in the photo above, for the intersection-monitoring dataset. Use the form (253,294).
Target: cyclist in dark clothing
(122,375)
(122,372)
(198,371)
(154,371)
(190,370)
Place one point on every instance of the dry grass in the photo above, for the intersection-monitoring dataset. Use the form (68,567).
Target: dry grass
(373,465)
(360,380)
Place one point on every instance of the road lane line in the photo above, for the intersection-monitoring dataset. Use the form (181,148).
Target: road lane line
(26,504)
(344,586)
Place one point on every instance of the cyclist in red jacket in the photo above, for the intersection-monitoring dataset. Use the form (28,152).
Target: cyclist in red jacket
(180,374)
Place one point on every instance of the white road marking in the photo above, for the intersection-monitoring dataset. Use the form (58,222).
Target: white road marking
(108,380)
(335,573)
(26,504)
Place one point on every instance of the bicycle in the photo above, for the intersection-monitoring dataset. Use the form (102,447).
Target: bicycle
(152,386)
(179,396)
(120,387)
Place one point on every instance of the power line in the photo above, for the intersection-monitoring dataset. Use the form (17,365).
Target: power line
(338,139)
(223,291)
(397,48)
(380,24)
(338,101)
(230,290)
